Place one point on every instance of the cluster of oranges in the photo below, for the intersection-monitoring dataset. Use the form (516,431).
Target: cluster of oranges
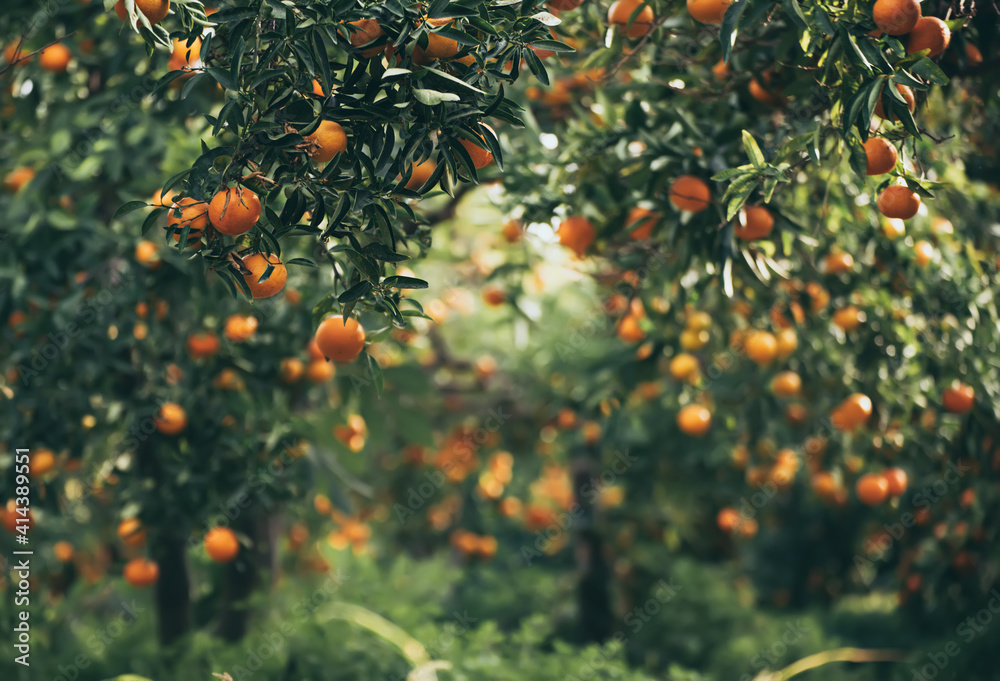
(220,543)
(471,544)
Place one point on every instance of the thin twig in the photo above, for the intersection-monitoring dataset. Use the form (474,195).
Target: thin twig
(17,49)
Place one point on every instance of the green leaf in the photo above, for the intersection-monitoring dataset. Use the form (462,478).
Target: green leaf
(376,373)
(129,207)
(727,36)
(794,11)
(858,158)
(927,69)
(546,18)
(753,151)
(432,97)
(222,78)
(405,282)
(453,79)
(738,199)
(356,292)
(552,46)
(383,253)
(232,15)
(770,184)
(731,173)
(365,265)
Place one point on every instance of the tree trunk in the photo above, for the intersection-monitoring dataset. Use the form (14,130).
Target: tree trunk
(243,574)
(594,587)
(173,589)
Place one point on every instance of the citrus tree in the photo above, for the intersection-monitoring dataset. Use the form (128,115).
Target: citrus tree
(271,137)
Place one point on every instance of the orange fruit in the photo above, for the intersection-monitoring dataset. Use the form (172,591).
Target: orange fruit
(183,55)
(258,264)
(748,528)
(140,572)
(630,330)
(420,173)
(973,55)
(155,10)
(366,31)
(852,412)
(512,231)
(929,33)
(684,367)
(17,178)
(481,156)
(63,551)
(923,253)
(234,211)
(171,419)
(147,254)
(291,370)
(159,199)
(786,384)
(566,418)
(339,340)
(494,296)
(577,234)
(958,398)
(940,225)
(13,53)
(896,477)
(756,223)
(897,201)
(622,10)
(689,193)
(131,532)
(872,489)
(911,101)
(438,46)
(228,379)
(896,17)
(708,11)
(761,93)
(694,420)
(320,371)
(880,156)
(188,212)
(727,519)
(328,140)
(848,318)
(240,328)
(893,228)
(55,58)
(644,220)
(698,320)
(221,544)
(202,345)
(761,347)
(838,263)
(824,485)
(42,462)
(315,354)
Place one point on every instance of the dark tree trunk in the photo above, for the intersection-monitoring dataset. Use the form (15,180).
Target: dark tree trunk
(173,590)
(168,548)
(594,588)
(244,574)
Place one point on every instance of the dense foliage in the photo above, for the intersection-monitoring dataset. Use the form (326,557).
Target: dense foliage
(698,383)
